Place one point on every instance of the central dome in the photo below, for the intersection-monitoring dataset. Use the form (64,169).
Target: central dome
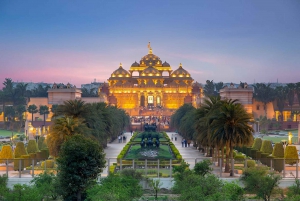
(150,59)
(150,71)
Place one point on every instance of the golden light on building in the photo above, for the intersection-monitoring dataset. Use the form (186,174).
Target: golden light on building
(150,90)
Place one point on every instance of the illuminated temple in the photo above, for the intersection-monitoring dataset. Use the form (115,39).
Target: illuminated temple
(151,87)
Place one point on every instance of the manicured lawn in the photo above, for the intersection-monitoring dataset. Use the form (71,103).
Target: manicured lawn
(279,138)
(136,152)
(6,133)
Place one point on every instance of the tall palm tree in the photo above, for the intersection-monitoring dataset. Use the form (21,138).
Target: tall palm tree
(32,109)
(74,108)
(43,110)
(231,126)
(281,96)
(10,114)
(291,89)
(264,93)
(20,109)
(62,129)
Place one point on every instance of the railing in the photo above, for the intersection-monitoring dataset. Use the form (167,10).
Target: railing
(151,168)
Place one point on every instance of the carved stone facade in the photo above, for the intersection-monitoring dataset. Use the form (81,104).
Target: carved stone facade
(149,92)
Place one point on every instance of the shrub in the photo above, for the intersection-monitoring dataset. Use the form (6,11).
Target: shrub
(291,155)
(278,164)
(257,144)
(32,146)
(6,153)
(278,151)
(112,169)
(48,163)
(42,144)
(20,150)
(239,158)
(27,160)
(33,156)
(202,168)
(250,163)
(266,147)
(44,154)
(18,164)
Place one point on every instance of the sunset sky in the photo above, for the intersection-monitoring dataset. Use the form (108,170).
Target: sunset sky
(79,41)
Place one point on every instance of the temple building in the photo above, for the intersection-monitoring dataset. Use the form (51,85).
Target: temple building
(151,87)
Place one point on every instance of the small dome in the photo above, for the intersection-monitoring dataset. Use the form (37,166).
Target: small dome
(166,64)
(150,60)
(135,64)
(120,72)
(150,70)
(180,72)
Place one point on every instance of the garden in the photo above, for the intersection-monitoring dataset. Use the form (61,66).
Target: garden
(149,152)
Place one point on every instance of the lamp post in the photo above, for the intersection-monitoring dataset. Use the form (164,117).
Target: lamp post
(284,143)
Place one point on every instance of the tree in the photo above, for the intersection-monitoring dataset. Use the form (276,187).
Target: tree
(44,109)
(20,109)
(72,108)
(281,96)
(260,181)
(10,114)
(79,163)
(203,168)
(209,88)
(54,110)
(32,109)
(264,93)
(155,185)
(231,126)
(179,114)
(63,129)
(291,89)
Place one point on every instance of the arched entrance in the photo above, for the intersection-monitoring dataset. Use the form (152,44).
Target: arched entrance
(142,101)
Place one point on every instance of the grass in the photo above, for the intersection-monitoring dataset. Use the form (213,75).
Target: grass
(135,152)
(7,133)
(279,138)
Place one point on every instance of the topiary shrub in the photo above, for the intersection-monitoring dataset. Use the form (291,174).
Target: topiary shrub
(278,151)
(291,155)
(239,158)
(48,163)
(251,163)
(27,160)
(266,147)
(32,147)
(6,153)
(257,144)
(278,164)
(42,144)
(33,156)
(263,158)
(20,150)
(45,154)
(18,164)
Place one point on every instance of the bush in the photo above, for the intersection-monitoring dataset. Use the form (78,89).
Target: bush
(257,144)
(260,181)
(18,164)
(44,154)
(239,158)
(42,144)
(112,169)
(266,147)
(32,147)
(202,168)
(27,160)
(20,150)
(291,155)
(251,163)
(278,164)
(6,153)
(49,164)
(278,150)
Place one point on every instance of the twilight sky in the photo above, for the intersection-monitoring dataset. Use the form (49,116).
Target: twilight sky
(79,41)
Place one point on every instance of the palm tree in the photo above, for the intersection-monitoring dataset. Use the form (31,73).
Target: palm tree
(209,88)
(281,95)
(20,109)
(264,93)
(62,129)
(231,126)
(74,108)
(44,109)
(32,109)
(291,89)
(54,110)
(10,114)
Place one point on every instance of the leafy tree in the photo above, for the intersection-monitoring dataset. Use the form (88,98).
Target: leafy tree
(261,182)
(294,191)
(24,193)
(47,185)
(79,163)
(116,188)
(32,109)
(263,124)
(89,93)
(44,109)
(203,168)
(209,88)
(40,91)
(10,114)
(155,185)
(264,93)
(72,108)
(54,110)
(179,114)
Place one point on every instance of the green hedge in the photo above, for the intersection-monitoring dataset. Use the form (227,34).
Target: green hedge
(32,147)
(49,164)
(278,164)
(257,144)
(27,160)
(291,155)
(20,150)
(16,164)
(266,147)
(251,163)
(278,150)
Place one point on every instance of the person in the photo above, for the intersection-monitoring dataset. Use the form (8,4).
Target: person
(182,142)
(119,138)
(189,143)
(185,142)
(131,132)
